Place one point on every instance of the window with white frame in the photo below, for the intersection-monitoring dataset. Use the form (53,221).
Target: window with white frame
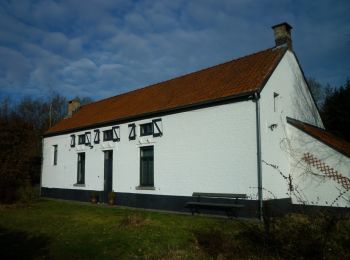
(81,169)
(146,166)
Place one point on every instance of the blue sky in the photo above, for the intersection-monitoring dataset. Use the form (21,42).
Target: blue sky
(99,48)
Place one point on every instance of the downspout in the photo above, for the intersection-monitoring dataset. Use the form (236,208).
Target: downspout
(258,153)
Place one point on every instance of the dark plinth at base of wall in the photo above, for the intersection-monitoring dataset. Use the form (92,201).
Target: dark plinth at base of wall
(150,201)
(276,207)
(177,203)
(281,207)
(66,194)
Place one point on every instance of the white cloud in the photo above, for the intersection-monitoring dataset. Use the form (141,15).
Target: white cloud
(108,70)
(79,72)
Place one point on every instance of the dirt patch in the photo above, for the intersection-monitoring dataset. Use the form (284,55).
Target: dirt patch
(134,220)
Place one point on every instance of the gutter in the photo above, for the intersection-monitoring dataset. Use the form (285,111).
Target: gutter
(258,153)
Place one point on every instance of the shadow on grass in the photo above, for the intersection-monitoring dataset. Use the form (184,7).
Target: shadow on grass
(21,245)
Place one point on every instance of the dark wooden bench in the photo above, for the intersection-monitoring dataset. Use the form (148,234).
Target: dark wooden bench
(229,208)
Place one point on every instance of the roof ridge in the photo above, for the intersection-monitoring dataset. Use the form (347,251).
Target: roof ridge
(181,76)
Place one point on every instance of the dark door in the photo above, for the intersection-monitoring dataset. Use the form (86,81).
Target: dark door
(108,175)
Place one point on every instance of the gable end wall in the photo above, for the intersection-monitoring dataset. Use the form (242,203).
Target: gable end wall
(294,100)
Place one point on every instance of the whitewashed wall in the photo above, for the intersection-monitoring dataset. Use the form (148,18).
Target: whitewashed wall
(205,150)
(280,150)
(313,185)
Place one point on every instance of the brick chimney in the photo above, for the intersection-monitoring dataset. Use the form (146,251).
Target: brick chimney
(73,106)
(283,36)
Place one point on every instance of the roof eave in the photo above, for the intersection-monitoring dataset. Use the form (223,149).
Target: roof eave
(294,122)
(208,103)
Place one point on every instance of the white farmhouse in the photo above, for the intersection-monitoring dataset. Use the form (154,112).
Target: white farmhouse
(247,126)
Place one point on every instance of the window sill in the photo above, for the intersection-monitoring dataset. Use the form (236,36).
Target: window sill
(144,135)
(78,185)
(145,188)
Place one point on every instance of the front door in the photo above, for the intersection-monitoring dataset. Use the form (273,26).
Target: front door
(108,174)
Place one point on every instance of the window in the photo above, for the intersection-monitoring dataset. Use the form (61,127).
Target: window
(81,168)
(55,154)
(72,140)
(108,135)
(146,129)
(81,139)
(146,167)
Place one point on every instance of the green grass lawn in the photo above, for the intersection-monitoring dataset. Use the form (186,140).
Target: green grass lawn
(63,229)
(58,229)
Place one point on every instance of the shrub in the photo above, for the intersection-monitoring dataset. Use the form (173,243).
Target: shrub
(294,236)
(312,236)
(218,243)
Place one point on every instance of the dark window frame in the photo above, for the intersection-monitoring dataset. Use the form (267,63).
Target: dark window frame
(87,138)
(132,133)
(157,127)
(81,139)
(146,178)
(97,136)
(81,168)
(144,131)
(55,154)
(116,133)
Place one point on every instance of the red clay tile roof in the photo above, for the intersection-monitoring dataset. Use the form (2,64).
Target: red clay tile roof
(237,77)
(322,135)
